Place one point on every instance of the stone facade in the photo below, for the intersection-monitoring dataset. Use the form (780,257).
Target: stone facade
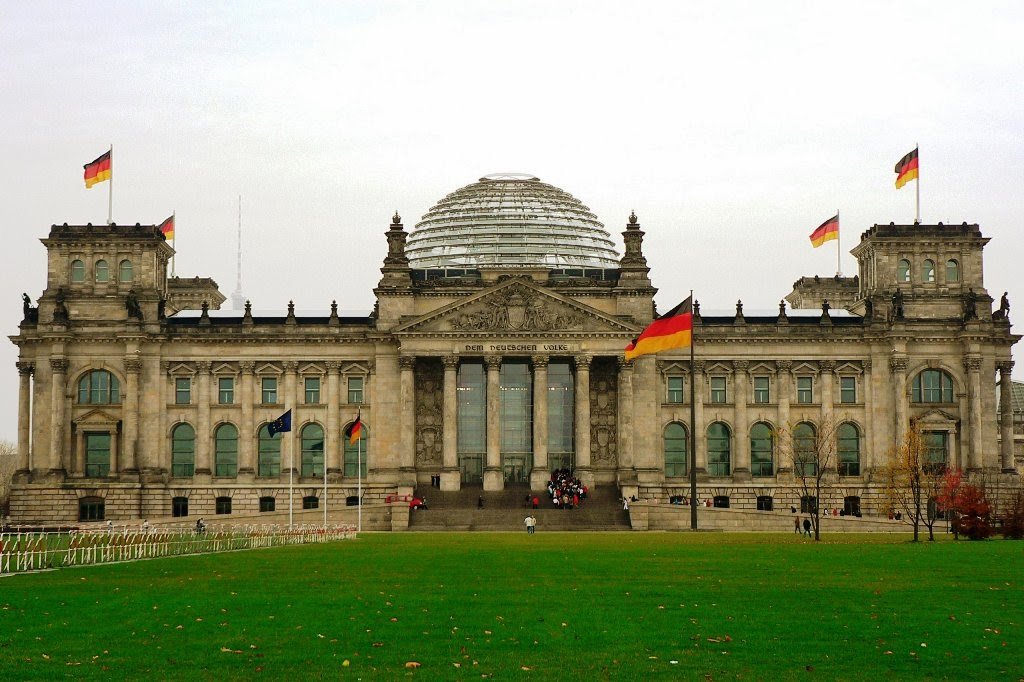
(920,343)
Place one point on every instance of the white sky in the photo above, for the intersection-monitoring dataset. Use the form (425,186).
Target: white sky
(732,128)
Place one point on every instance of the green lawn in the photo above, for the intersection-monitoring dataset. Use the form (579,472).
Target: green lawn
(553,606)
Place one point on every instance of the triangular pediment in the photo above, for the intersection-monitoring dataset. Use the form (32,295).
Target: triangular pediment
(97,417)
(516,306)
(936,417)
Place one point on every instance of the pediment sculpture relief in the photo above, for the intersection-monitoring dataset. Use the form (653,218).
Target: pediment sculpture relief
(517,309)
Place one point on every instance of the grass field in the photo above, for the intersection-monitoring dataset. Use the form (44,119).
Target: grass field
(552,606)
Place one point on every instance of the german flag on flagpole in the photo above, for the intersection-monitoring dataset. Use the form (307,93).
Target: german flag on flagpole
(354,430)
(99,170)
(827,231)
(906,169)
(674,329)
(167,227)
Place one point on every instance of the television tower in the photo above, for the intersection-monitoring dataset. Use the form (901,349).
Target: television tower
(238,298)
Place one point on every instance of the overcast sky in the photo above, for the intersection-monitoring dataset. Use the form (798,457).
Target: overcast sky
(733,129)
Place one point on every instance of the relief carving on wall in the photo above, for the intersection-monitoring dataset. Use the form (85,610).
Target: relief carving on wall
(604,413)
(429,413)
(517,308)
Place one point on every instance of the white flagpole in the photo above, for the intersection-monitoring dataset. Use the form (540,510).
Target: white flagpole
(359,481)
(325,479)
(839,248)
(110,189)
(174,238)
(291,479)
(917,148)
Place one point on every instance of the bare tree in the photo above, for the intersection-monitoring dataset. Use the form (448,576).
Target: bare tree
(8,463)
(914,482)
(811,448)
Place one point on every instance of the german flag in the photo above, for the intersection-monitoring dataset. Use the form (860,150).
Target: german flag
(674,329)
(827,231)
(906,169)
(98,170)
(167,227)
(354,430)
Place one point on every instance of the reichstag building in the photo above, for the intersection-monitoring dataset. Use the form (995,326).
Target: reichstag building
(493,355)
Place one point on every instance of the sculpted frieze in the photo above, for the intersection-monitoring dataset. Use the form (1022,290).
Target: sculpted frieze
(516,309)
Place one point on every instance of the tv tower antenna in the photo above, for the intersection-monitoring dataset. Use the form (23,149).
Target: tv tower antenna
(238,298)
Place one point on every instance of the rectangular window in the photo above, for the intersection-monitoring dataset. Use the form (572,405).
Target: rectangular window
(312,390)
(355,390)
(761,392)
(225,391)
(718,394)
(223,505)
(269,385)
(182,391)
(805,390)
(97,454)
(179,506)
(936,447)
(848,390)
(268,504)
(675,389)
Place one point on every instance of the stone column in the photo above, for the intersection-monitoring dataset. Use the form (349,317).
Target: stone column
(1006,416)
(25,370)
(699,429)
(539,475)
(827,372)
(407,454)
(289,458)
(625,406)
(450,478)
(975,458)
(785,381)
(866,451)
(333,436)
(741,436)
(582,394)
(246,429)
(494,478)
(203,419)
(58,370)
(898,367)
(130,416)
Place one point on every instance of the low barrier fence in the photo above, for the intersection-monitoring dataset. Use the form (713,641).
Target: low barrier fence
(33,551)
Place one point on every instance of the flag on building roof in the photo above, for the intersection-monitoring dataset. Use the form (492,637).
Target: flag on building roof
(827,231)
(167,227)
(98,170)
(906,169)
(282,424)
(674,329)
(354,430)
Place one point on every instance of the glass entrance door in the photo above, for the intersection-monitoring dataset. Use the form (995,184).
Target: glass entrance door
(471,468)
(517,469)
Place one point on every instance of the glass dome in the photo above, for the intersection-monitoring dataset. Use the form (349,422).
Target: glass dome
(510,220)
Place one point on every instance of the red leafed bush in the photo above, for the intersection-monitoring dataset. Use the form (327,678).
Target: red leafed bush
(975,520)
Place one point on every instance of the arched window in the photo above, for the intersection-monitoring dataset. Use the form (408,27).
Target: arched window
(849,450)
(183,450)
(762,450)
(225,450)
(269,463)
(99,387)
(77,271)
(932,386)
(952,271)
(101,270)
(719,453)
(903,271)
(312,450)
(928,271)
(805,451)
(356,452)
(124,271)
(675,450)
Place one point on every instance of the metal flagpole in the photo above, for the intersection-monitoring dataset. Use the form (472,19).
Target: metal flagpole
(110,189)
(839,248)
(291,479)
(917,148)
(174,238)
(359,482)
(693,423)
(324,445)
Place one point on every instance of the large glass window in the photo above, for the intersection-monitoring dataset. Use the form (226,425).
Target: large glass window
(718,392)
(77,271)
(675,389)
(269,389)
(903,271)
(676,457)
(719,451)
(805,449)
(225,390)
(932,386)
(312,450)
(849,450)
(472,423)
(312,385)
(805,390)
(99,387)
(952,271)
(761,390)
(101,271)
(355,390)
(226,450)
(269,463)
(516,408)
(182,391)
(928,271)
(124,271)
(561,415)
(97,454)
(355,453)
(848,390)
(762,450)
(183,450)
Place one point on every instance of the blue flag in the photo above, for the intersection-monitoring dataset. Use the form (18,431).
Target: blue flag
(281,424)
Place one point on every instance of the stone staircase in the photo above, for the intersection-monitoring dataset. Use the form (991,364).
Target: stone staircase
(506,510)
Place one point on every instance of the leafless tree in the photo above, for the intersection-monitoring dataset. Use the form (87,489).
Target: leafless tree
(811,448)
(913,482)
(8,463)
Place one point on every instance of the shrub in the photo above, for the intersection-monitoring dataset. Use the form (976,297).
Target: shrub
(1013,518)
(975,520)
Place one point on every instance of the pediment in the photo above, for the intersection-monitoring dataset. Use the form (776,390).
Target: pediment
(180,368)
(311,368)
(936,417)
(98,417)
(761,368)
(513,306)
(804,367)
(849,368)
(224,368)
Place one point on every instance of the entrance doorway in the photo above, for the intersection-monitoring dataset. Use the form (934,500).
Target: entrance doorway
(517,468)
(471,468)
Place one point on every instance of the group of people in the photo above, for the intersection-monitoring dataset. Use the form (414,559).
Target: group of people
(566,491)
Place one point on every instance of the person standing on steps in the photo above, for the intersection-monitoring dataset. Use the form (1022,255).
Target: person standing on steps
(480,502)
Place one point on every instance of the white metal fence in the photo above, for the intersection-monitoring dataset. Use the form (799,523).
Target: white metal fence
(33,551)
